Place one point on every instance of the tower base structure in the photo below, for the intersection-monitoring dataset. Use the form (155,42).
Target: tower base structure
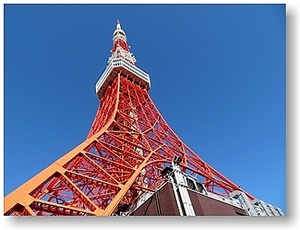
(183,195)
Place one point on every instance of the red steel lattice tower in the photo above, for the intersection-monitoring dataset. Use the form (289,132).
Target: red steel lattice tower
(128,146)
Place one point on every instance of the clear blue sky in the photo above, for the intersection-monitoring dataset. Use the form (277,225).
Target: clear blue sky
(217,74)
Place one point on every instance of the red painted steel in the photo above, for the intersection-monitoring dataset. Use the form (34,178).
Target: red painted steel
(128,146)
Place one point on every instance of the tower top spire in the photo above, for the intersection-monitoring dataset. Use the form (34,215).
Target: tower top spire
(121,62)
(118,24)
(120,47)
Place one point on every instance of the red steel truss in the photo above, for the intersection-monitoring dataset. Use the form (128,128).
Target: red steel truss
(128,146)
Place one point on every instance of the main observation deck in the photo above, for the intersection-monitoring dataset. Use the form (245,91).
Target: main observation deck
(131,72)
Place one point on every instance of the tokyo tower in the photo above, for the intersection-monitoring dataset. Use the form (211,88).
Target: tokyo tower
(132,162)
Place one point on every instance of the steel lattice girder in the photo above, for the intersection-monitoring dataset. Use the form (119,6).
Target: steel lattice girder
(128,145)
